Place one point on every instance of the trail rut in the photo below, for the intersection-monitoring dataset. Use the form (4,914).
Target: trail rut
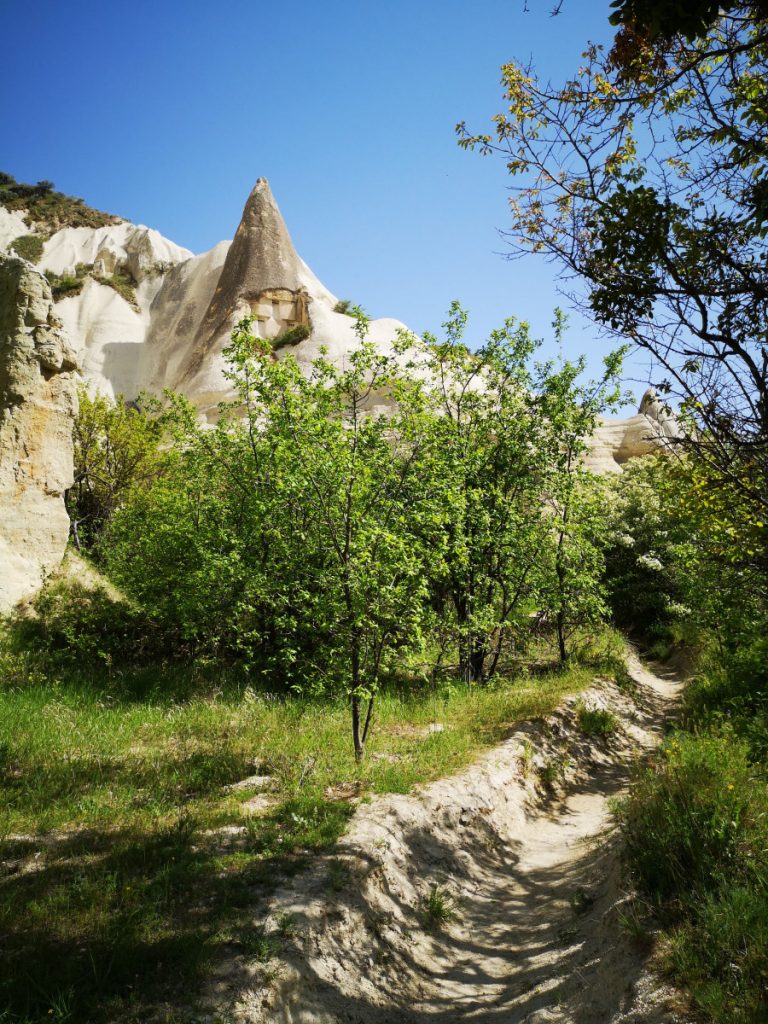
(538,936)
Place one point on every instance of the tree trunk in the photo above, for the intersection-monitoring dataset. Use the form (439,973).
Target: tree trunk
(561,636)
(472,652)
(357,737)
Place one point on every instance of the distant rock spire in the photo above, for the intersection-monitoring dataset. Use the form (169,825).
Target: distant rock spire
(261,257)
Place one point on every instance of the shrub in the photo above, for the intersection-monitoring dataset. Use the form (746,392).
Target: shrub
(695,818)
(723,955)
(43,205)
(68,284)
(292,336)
(123,284)
(344,306)
(29,247)
(595,721)
(735,690)
(117,448)
(81,625)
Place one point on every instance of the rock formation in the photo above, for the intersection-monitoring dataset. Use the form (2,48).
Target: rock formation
(38,402)
(615,442)
(142,313)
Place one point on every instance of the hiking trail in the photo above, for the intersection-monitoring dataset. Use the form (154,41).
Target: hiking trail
(542,931)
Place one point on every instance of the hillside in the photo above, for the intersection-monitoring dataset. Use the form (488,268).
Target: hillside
(45,210)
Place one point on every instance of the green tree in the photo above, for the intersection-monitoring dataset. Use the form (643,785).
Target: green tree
(287,532)
(116,448)
(642,565)
(575,595)
(488,472)
(511,437)
(645,176)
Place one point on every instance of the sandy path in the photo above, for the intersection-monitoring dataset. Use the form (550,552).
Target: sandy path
(537,937)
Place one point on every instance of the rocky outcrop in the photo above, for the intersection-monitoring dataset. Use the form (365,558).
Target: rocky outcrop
(168,332)
(615,442)
(172,334)
(38,402)
(261,259)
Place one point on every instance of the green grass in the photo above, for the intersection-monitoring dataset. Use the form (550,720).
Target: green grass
(29,247)
(439,907)
(695,826)
(63,285)
(595,721)
(116,821)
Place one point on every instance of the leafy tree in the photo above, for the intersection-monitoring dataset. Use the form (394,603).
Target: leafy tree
(287,532)
(575,594)
(117,447)
(688,18)
(511,437)
(644,588)
(645,176)
(488,471)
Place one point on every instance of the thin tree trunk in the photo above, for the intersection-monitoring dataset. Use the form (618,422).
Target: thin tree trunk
(368,720)
(357,739)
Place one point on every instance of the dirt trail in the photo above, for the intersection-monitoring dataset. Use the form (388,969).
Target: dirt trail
(538,936)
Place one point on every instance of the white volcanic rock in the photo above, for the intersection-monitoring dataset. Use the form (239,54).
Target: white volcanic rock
(109,334)
(176,313)
(12,226)
(38,403)
(172,336)
(140,250)
(615,442)
(186,306)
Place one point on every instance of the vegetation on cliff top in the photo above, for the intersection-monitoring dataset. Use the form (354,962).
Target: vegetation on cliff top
(45,208)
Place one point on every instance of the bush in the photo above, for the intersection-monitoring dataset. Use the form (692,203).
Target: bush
(642,573)
(82,625)
(595,721)
(292,336)
(696,832)
(735,689)
(695,818)
(29,247)
(123,284)
(68,284)
(43,205)
(723,955)
(344,306)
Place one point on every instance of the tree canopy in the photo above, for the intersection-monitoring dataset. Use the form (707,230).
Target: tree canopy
(643,176)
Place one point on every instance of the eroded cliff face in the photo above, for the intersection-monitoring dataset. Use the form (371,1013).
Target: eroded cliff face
(38,403)
(142,313)
(652,430)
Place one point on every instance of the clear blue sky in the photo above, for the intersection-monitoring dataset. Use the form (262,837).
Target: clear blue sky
(167,112)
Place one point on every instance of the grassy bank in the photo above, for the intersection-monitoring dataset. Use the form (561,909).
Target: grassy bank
(696,832)
(130,864)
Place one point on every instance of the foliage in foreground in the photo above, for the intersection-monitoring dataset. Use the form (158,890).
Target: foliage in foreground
(696,833)
(645,175)
(125,852)
(696,821)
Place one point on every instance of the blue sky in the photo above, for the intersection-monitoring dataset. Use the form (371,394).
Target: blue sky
(167,112)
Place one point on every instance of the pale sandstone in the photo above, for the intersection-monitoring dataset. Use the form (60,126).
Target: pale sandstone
(615,442)
(38,402)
